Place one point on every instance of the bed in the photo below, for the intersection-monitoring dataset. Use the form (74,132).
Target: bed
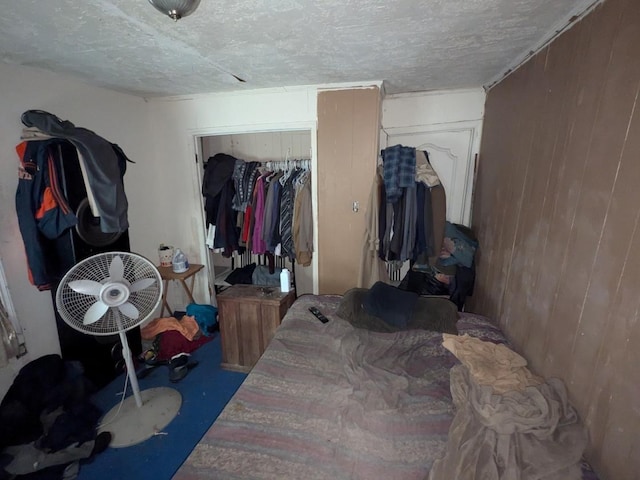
(330,401)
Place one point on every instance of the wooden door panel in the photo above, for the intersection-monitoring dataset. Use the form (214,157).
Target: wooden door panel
(348,132)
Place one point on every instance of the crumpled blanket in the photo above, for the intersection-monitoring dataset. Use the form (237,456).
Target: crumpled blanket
(491,364)
(517,435)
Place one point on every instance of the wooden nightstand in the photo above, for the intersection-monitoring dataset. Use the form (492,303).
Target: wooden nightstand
(248,318)
(167,274)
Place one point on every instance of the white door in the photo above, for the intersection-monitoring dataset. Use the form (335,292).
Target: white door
(452,155)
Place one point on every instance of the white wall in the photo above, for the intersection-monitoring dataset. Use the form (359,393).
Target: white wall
(120,118)
(448,124)
(176,122)
(163,186)
(440,107)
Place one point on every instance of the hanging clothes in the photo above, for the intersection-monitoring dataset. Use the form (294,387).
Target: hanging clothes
(271,227)
(412,218)
(372,267)
(424,171)
(104,166)
(261,215)
(276,219)
(218,188)
(435,209)
(286,215)
(258,245)
(409,224)
(302,226)
(43,211)
(399,170)
(439,219)
(227,232)
(244,178)
(217,171)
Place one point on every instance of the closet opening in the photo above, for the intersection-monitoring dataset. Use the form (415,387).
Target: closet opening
(288,152)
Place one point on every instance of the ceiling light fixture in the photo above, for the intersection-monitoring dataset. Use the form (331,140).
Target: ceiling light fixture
(176,9)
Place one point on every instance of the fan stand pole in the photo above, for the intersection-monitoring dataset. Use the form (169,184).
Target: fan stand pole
(138,422)
(126,353)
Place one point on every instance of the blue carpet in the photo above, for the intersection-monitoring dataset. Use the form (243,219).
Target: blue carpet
(205,391)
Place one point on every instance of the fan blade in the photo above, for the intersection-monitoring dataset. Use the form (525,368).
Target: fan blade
(141,284)
(116,269)
(95,313)
(86,287)
(129,310)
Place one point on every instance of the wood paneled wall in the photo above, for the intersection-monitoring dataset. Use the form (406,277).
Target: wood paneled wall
(348,142)
(557,210)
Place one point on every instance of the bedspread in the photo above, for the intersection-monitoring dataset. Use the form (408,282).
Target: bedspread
(328,401)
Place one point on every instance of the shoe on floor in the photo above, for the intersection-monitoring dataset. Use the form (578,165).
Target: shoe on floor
(178,373)
(101,443)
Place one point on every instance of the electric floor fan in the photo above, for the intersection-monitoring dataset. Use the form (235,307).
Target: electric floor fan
(111,293)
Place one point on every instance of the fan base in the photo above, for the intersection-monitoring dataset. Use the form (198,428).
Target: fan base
(134,425)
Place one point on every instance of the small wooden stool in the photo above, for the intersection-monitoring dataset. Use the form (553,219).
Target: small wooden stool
(167,274)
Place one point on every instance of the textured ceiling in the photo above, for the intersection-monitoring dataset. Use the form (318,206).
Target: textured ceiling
(127,45)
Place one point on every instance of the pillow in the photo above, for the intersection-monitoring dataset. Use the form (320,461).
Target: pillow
(391,304)
(351,310)
(430,313)
(437,314)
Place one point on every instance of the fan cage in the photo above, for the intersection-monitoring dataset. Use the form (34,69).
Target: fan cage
(72,305)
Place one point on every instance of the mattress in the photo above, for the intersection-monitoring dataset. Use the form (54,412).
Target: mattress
(328,401)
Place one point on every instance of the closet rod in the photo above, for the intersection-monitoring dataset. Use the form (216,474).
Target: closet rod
(284,164)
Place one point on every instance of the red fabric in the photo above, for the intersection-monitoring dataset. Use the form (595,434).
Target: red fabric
(246,225)
(172,342)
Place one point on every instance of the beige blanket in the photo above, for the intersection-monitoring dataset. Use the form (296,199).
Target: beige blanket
(513,425)
(491,364)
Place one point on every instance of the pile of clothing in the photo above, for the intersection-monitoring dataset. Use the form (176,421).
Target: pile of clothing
(47,423)
(454,271)
(173,339)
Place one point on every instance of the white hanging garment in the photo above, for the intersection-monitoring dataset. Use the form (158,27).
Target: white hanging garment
(424,171)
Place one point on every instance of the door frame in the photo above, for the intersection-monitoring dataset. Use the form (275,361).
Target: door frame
(473,128)
(196,136)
